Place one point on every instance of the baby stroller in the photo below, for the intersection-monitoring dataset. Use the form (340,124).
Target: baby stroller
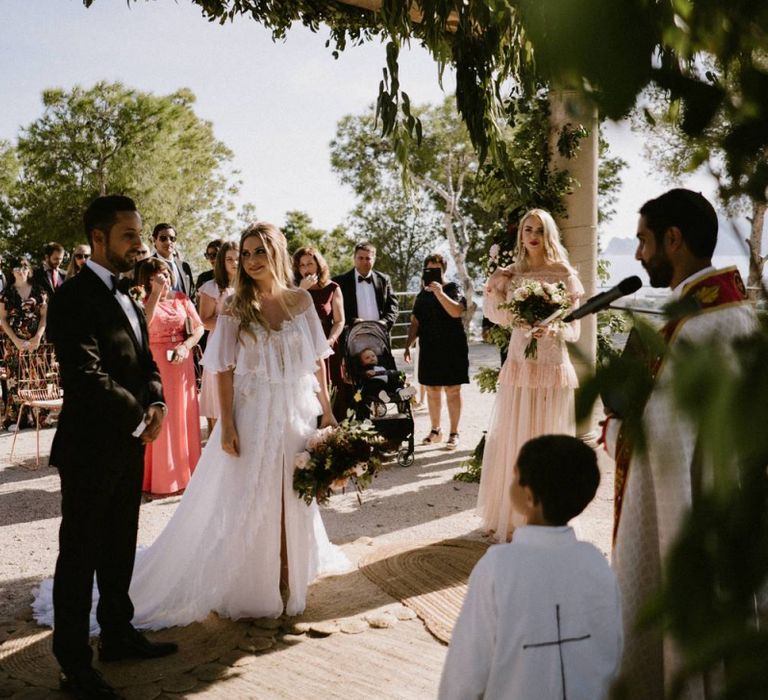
(392,418)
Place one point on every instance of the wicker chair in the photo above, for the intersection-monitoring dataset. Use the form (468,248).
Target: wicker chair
(37,387)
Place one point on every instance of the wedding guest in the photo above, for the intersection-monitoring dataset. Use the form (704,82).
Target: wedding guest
(436,320)
(49,275)
(170,460)
(141,254)
(535,394)
(211,251)
(164,238)
(368,296)
(542,615)
(79,257)
(23,310)
(367,293)
(311,272)
(212,296)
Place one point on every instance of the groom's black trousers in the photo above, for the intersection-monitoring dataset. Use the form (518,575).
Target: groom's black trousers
(99,524)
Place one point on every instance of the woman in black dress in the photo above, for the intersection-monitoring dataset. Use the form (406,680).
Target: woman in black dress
(436,320)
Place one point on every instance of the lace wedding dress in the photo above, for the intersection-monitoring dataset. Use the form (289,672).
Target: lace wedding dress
(221,549)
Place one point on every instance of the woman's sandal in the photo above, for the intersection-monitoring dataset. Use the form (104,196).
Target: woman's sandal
(453,441)
(435,435)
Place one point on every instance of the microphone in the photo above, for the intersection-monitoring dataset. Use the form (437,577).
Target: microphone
(603,300)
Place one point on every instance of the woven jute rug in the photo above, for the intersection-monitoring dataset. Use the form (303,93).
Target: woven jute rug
(430,578)
(27,654)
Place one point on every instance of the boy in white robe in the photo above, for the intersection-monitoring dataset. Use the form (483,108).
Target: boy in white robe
(542,617)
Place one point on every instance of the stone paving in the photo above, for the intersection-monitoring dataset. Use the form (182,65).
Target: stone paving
(353,641)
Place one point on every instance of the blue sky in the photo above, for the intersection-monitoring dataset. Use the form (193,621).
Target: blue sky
(274,104)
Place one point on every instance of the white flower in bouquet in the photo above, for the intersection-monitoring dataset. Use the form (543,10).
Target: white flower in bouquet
(493,253)
(319,437)
(521,293)
(302,460)
(360,468)
(532,303)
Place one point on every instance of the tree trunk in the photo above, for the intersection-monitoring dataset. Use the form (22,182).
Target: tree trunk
(755,242)
(460,259)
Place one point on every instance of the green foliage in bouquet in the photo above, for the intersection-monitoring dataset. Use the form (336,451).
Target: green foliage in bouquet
(352,450)
(487,378)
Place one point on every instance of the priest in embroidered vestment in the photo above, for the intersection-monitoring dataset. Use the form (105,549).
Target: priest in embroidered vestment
(677,233)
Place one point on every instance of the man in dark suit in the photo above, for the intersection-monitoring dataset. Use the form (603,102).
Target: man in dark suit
(164,239)
(367,293)
(367,296)
(113,407)
(49,275)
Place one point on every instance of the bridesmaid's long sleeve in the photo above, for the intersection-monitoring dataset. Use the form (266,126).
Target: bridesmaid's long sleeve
(496,294)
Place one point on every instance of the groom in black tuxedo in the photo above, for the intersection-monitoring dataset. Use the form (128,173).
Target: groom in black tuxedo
(113,407)
(367,293)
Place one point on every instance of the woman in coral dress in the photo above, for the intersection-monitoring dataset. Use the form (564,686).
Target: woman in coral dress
(212,295)
(170,460)
(535,396)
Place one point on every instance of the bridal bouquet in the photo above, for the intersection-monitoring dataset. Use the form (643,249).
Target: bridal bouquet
(531,303)
(333,456)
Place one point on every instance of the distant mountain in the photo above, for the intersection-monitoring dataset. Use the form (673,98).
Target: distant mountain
(728,244)
(620,246)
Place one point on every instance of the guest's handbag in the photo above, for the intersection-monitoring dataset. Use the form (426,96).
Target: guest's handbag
(197,353)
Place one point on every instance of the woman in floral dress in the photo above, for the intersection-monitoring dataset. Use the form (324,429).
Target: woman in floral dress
(23,307)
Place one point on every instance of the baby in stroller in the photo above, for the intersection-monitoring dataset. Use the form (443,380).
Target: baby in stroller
(385,384)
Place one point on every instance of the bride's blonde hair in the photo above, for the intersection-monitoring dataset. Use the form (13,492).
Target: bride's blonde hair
(245,304)
(553,249)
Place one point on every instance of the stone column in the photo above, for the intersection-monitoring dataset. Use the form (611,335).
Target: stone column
(579,227)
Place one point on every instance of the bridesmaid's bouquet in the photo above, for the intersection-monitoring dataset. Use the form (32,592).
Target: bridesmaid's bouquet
(532,302)
(333,456)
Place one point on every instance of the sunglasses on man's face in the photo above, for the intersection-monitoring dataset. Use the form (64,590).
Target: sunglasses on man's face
(82,256)
(210,256)
(165,237)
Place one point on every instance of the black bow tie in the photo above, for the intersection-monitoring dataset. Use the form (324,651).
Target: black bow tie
(360,278)
(120,284)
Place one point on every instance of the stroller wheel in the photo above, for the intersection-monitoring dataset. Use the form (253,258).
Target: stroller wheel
(405,457)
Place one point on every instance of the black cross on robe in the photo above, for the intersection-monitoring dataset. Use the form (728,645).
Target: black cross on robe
(559,643)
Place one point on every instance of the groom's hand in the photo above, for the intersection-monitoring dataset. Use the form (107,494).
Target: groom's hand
(154,420)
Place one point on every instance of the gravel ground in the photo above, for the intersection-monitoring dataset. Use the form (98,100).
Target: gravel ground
(420,502)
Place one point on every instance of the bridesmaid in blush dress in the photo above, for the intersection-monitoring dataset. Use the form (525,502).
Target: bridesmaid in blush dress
(170,460)
(311,272)
(535,396)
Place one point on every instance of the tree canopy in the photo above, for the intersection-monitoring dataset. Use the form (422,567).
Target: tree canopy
(610,51)
(110,138)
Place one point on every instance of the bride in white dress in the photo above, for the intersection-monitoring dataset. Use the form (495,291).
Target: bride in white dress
(241,533)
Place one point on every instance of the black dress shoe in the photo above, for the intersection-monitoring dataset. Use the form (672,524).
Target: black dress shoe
(133,645)
(88,684)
